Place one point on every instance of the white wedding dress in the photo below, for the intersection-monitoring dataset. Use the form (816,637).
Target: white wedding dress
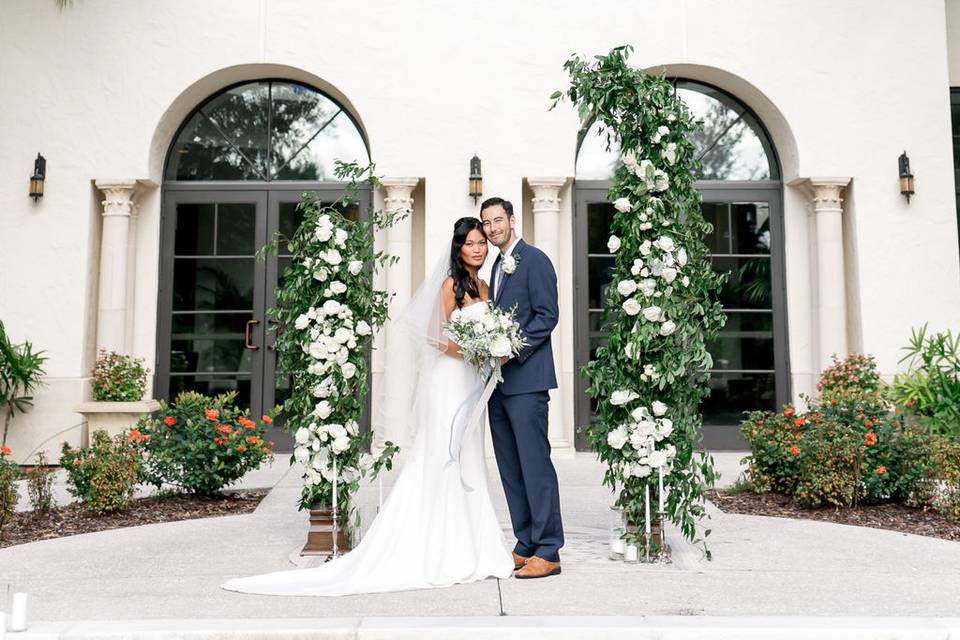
(437,527)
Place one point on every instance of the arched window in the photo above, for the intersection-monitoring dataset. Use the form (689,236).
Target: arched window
(741,192)
(234,175)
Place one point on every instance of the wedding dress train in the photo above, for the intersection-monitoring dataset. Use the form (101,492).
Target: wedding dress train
(437,526)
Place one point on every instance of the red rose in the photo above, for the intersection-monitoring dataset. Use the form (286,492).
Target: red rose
(169,421)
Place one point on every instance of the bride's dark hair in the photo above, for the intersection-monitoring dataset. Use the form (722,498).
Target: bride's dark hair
(463,282)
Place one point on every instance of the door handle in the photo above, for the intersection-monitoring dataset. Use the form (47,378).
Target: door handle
(246,335)
(272,344)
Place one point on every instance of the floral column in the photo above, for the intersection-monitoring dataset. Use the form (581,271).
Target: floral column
(546,228)
(827,210)
(118,208)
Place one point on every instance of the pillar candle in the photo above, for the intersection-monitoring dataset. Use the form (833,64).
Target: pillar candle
(631,554)
(661,490)
(18,614)
(646,509)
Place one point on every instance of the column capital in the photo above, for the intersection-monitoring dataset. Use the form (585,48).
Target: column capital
(823,192)
(119,195)
(398,190)
(546,193)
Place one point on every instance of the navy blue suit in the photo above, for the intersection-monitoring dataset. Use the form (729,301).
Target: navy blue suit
(518,407)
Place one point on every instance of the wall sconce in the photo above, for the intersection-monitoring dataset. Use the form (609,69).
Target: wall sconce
(36,180)
(906,178)
(476,180)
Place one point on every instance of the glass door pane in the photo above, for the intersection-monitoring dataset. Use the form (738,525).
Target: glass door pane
(211,320)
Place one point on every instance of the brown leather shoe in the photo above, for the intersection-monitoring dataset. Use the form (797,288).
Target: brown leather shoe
(519,561)
(537,567)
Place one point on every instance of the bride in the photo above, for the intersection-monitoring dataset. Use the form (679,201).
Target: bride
(438,526)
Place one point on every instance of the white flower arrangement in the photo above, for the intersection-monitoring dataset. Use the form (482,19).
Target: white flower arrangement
(483,342)
(509,264)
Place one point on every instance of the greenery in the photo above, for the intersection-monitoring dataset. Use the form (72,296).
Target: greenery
(662,306)
(118,377)
(852,445)
(201,444)
(9,474)
(104,474)
(40,485)
(931,385)
(327,310)
(21,372)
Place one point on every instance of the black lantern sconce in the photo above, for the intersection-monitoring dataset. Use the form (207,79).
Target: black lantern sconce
(476,179)
(36,180)
(906,177)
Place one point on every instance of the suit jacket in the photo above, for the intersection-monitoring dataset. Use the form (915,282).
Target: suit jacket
(533,288)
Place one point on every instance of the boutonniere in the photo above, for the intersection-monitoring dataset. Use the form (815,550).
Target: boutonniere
(509,264)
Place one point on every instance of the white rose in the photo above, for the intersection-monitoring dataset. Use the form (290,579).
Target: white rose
(681,256)
(667,328)
(640,414)
(339,445)
(622,396)
(659,408)
(631,306)
(341,237)
(669,274)
(661,180)
(652,313)
(637,265)
(685,281)
(641,169)
(342,335)
(613,244)
(333,257)
(665,427)
(321,274)
(363,329)
(657,459)
(662,130)
(349,370)
(670,153)
(622,205)
(639,470)
(630,159)
(664,243)
(301,454)
(617,437)
(645,248)
(338,287)
(322,410)
(671,117)
(352,427)
(302,321)
(500,346)
(626,287)
(355,267)
(331,306)
(648,286)
(303,435)
(323,233)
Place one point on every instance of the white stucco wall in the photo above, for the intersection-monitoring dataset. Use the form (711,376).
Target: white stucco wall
(100,87)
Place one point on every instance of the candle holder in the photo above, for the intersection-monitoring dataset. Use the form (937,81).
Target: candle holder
(631,554)
(617,529)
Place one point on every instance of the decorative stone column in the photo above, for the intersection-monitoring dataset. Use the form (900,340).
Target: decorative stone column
(400,238)
(114,254)
(546,230)
(827,210)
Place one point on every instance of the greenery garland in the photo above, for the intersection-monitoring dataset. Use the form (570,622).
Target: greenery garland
(662,307)
(328,311)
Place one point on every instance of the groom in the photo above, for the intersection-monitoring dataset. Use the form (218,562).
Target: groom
(523,276)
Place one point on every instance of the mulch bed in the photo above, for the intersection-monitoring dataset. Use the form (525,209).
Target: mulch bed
(75,518)
(894,517)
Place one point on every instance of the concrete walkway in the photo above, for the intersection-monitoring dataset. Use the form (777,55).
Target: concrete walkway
(762,567)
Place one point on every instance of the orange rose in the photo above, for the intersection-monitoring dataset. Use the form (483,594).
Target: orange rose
(788,411)
(881,470)
(224,428)
(871,439)
(798,422)
(212,414)
(795,450)
(267,420)
(5,451)
(169,421)
(252,439)
(241,447)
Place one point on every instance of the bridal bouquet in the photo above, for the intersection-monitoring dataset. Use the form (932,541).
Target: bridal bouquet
(484,340)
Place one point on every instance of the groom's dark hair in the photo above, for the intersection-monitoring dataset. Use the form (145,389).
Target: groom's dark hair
(492,202)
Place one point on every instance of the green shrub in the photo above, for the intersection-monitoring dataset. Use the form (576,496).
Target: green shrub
(828,466)
(202,444)
(118,377)
(9,473)
(772,436)
(104,474)
(931,385)
(40,486)
(856,372)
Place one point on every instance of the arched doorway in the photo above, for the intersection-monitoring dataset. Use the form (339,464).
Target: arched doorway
(232,179)
(742,193)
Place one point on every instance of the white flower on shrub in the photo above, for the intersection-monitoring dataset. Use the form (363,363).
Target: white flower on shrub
(667,328)
(670,153)
(669,274)
(640,414)
(657,459)
(665,428)
(302,321)
(321,274)
(626,287)
(341,237)
(630,160)
(322,410)
(343,335)
(349,370)
(631,306)
(685,281)
(338,287)
(656,267)
(363,329)
(681,256)
(661,181)
(324,229)
(351,427)
(671,117)
(639,470)
(623,205)
(637,265)
(301,454)
(648,286)
(658,408)
(613,244)
(664,243)
(622,397)
(331,306)
(302,435)
(652,313)
(331,256)
(355,267)
(617,437)
(649,373)
(645,248)
(340,444)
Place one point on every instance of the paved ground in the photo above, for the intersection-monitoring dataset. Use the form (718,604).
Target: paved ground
(762,567)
